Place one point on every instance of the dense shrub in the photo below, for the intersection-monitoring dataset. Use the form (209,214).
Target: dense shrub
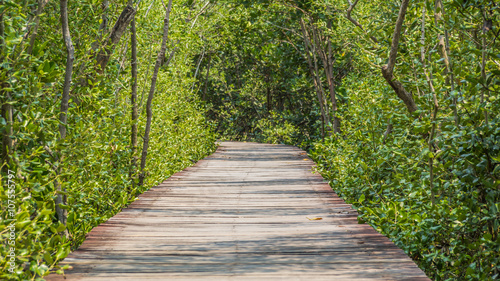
(92,165)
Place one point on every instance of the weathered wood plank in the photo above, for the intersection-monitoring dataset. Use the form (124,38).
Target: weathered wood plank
(244,213)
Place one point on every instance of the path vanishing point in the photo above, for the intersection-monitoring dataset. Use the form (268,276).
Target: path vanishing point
(247,212)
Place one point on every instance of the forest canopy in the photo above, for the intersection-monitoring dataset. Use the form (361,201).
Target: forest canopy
(396,101)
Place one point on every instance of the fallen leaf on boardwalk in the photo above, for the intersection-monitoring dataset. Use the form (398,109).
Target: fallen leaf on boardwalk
(305,159)
(361,242)
(314,219)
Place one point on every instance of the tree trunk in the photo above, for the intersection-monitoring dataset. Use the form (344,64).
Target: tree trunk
(41,6)
(269,98)
(326,114)
(2,34)
(149,112)
(430,142)
(69,68)
(63,117)
(484,91)
(311,71)
(355,22)
(387,132)
(118,29)
(387,70)
(333,94)
(198,68)
(328,69)
(204,93)
(7,142)
(316,50)
(133,99)
(445,54)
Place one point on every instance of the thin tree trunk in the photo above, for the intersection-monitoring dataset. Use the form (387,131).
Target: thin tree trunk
(63,117)
(2,34)
(95,45)
(484,91)
(69,68)
(311,71)
(269,98)
(387,70)
(445,43)
(355,22)
(321,90)
(198,68)
(333,94)
(318,51)
(118,29)
(204,93)
(387,132)
(170,57)
(133,99)
(41,6)
(430,141)
(149,112)
(7,142)
(328,69)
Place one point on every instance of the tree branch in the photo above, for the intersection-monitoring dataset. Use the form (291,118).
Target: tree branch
(387,70)
(355,22)
(149,111)
(118,29)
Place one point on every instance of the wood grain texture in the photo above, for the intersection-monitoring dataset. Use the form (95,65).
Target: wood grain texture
(244,213)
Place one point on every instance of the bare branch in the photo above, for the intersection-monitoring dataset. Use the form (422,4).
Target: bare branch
(387,70)
(201,12)
(41,6)
(149,111)
(396,36)
(118,29)
(284,28)
(355,22)
(387,132)
(69,68)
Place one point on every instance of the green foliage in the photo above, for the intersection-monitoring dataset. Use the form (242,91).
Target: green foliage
(256,79)
(276,129)
(92,164)
(457,238)
(386,177)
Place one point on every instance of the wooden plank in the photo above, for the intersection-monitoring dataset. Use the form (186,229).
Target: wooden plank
(244,213)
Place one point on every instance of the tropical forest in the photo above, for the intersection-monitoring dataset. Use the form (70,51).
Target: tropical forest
(396,101)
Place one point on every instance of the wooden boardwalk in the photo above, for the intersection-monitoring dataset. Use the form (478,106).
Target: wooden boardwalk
(248,212)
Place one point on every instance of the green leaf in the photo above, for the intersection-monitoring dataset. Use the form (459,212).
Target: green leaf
(62,252)
(22,224)
(64,207)
(48,257)
(61,227)
(46,212)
